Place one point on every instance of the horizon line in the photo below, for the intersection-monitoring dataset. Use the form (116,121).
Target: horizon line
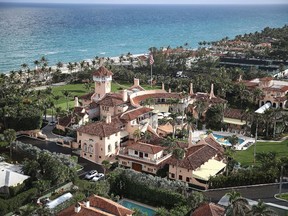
(107,3)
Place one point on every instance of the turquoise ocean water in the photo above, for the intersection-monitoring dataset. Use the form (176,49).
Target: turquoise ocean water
(70,33)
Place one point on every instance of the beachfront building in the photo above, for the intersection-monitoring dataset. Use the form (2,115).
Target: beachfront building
(202,160)
(143,157)
(274,91)
(96,206)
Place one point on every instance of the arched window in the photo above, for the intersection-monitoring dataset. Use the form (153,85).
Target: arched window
(85,147)
(90,148)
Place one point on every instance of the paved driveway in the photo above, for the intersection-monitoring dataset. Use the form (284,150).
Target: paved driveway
(53,147)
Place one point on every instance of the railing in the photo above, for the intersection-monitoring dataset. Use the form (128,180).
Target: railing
(147,160)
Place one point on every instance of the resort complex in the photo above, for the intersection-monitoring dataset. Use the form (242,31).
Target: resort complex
(171,133)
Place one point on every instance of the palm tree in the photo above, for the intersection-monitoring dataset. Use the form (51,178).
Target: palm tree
(59,65)
(66,94)
(36,63)
(137,135)
(106,166)
(147,136)
(261,209)
(9,137)
(178,154)
(238,206)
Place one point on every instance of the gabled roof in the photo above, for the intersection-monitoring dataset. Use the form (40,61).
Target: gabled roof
(133,114)
(10,178)
(146,148)
(102,71)
(233,113)
(209,209)
(99,206)
(199,153)
(101,128)
(112,99)
(65,121)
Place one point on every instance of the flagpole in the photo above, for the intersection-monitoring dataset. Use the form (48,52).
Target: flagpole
(151,75)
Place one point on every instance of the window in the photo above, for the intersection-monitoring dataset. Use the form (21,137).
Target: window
(150,170)
(146,155)
(101,138)
(90,149)
(85,147)
(116,144)
(108,137)
(91,140)
(109,148)
(187,179)
(90,155)
(99,156)
(124,163)
(136,152)
(180,177)
(172,175)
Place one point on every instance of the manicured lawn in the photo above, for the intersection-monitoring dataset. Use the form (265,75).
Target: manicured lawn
(246,157)
(283,196)
(79,89)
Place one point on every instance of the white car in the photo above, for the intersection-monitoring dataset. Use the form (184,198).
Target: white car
(91,174)
(98,177)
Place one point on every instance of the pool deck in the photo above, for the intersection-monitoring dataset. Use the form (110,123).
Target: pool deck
(248,141)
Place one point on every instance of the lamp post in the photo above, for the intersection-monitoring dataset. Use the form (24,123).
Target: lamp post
(256,135)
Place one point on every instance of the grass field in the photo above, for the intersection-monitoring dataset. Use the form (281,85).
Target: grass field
(79,89)
(246,157)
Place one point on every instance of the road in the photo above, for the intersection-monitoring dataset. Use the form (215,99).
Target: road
(53,147)
(264,192)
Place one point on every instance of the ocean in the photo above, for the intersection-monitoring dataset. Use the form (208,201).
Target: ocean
(69,33)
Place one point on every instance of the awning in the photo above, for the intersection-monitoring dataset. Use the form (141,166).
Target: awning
(123,134)
(210,168)
(234,121)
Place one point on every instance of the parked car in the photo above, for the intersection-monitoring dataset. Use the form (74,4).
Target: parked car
(91,174)
(98,177)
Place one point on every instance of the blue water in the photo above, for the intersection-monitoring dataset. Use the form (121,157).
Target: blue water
(76,32)
(225,142)
(143,209)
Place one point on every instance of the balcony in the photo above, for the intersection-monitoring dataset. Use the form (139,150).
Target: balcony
(124,154)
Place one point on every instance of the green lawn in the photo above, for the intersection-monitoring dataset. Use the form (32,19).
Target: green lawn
(283,196)
(79,89)
(245,157)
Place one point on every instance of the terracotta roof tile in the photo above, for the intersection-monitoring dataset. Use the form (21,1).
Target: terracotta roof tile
(101,128)
(146,148)
(109,205)
(209,209)
(102,71)
(99,206)
(133,114)
(86,96)
(65,121)
(199,153)
(112,99)
(233,113)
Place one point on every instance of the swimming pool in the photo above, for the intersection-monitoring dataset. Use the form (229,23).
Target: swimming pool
(132,204)
(221,139)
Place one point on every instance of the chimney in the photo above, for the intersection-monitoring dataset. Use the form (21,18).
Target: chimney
(136,82)
(87,203)
(124,95)
(190,138)
(212,92)
(191,89)
(163,86)
(76,102)
(77,208)
(169,90)
(108,118)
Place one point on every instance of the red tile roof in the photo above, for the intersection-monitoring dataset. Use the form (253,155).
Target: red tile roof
(112,99)
(209,209)
(101,128)
(199,153)
(133,114)
(102,71)
(146,148)
(233,113)
(99,206)
(65,121)
(86,96)
(265,79)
